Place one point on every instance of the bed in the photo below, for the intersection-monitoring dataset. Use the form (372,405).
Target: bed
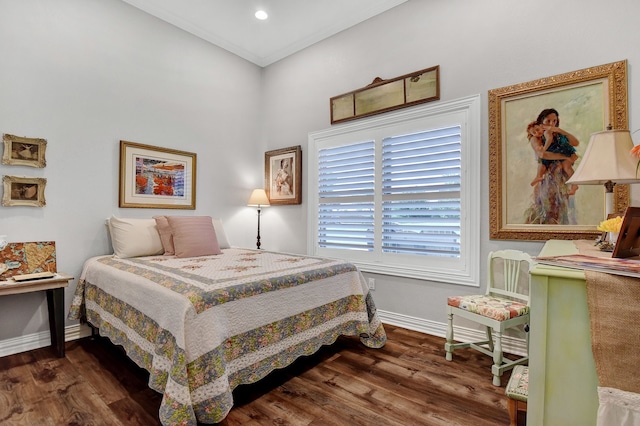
(202,325)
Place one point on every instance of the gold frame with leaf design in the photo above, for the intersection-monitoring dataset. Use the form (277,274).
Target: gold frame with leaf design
(510,173)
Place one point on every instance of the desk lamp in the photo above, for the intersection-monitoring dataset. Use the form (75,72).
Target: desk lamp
(258,199)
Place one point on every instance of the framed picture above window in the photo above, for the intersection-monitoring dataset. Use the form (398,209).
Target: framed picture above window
(529,198)
(283,175)
(154,177)
(21,151)
(387,95)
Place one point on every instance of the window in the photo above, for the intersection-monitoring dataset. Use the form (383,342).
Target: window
(398,194)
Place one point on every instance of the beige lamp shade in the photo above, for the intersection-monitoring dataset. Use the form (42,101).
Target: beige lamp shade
(607,161)
(258,198)
(607,158)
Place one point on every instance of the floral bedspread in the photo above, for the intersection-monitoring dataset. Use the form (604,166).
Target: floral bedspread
(202,326)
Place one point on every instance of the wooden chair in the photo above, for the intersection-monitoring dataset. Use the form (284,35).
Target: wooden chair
(505,305)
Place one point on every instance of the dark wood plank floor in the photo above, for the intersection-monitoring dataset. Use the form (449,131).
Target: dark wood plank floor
(408,382)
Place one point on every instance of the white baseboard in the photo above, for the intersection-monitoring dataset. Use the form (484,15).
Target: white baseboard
(462,334)
(510,344)
(40,340)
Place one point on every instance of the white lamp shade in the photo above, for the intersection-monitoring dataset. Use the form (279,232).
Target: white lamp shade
(607,158)
(258,198)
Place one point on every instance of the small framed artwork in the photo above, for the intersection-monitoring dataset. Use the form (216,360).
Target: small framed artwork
(283,175)
(21,151)
(628,244)
(538,133)
(23,191)
(154,177)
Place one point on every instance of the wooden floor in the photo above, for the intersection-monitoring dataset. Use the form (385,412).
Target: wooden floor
(408,382)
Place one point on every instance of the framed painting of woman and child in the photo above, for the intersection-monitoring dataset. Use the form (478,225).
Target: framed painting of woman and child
(283,175)
(538,132)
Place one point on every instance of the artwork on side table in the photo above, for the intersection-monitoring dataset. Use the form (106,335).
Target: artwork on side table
(154,177)
(628,244)
(21,151)
(23,191)
(27,258)
(528,198)
(283,175)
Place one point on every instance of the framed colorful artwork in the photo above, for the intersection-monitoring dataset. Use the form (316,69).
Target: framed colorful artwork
(27,258)
(154,177)
(529,198)
(283,175)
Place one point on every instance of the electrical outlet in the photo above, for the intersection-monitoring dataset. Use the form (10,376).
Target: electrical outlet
(372,284)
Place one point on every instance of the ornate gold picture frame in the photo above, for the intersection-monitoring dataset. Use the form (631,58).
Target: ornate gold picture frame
(154,177)
(21,151)
(520,207)
(23,191)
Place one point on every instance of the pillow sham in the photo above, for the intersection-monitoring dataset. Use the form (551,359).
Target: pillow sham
(134,237)
(166,236)
(193,236)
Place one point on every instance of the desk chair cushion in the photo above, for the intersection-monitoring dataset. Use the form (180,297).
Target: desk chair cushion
(518,386)
(489,306)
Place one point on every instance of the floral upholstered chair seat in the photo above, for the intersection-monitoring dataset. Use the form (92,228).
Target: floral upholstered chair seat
(518,392)
(498,308)
(518,386)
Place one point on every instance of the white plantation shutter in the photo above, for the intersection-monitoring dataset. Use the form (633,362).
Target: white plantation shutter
(398,194)
(421,193)
(346,190)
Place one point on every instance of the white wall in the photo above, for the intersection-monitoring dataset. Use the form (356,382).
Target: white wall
(479,45)
(85,75)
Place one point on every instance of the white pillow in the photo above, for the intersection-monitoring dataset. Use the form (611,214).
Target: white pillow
(223,243)
(134,237)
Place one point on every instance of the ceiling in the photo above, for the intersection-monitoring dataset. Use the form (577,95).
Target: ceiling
(292,24)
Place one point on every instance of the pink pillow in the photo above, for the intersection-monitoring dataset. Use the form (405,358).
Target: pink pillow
(193,236)
(166,236)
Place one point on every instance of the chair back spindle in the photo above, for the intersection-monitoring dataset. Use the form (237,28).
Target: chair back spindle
(511,275)
(514,279)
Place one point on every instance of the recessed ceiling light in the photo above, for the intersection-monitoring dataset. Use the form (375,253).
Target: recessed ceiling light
(261,15)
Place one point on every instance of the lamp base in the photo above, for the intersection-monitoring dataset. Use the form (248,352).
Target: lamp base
(258,239)
(608,202)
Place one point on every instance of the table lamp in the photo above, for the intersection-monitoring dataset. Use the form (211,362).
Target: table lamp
(607,161)
(258,199)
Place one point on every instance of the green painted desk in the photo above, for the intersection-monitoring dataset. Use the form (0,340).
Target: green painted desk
(562,373)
